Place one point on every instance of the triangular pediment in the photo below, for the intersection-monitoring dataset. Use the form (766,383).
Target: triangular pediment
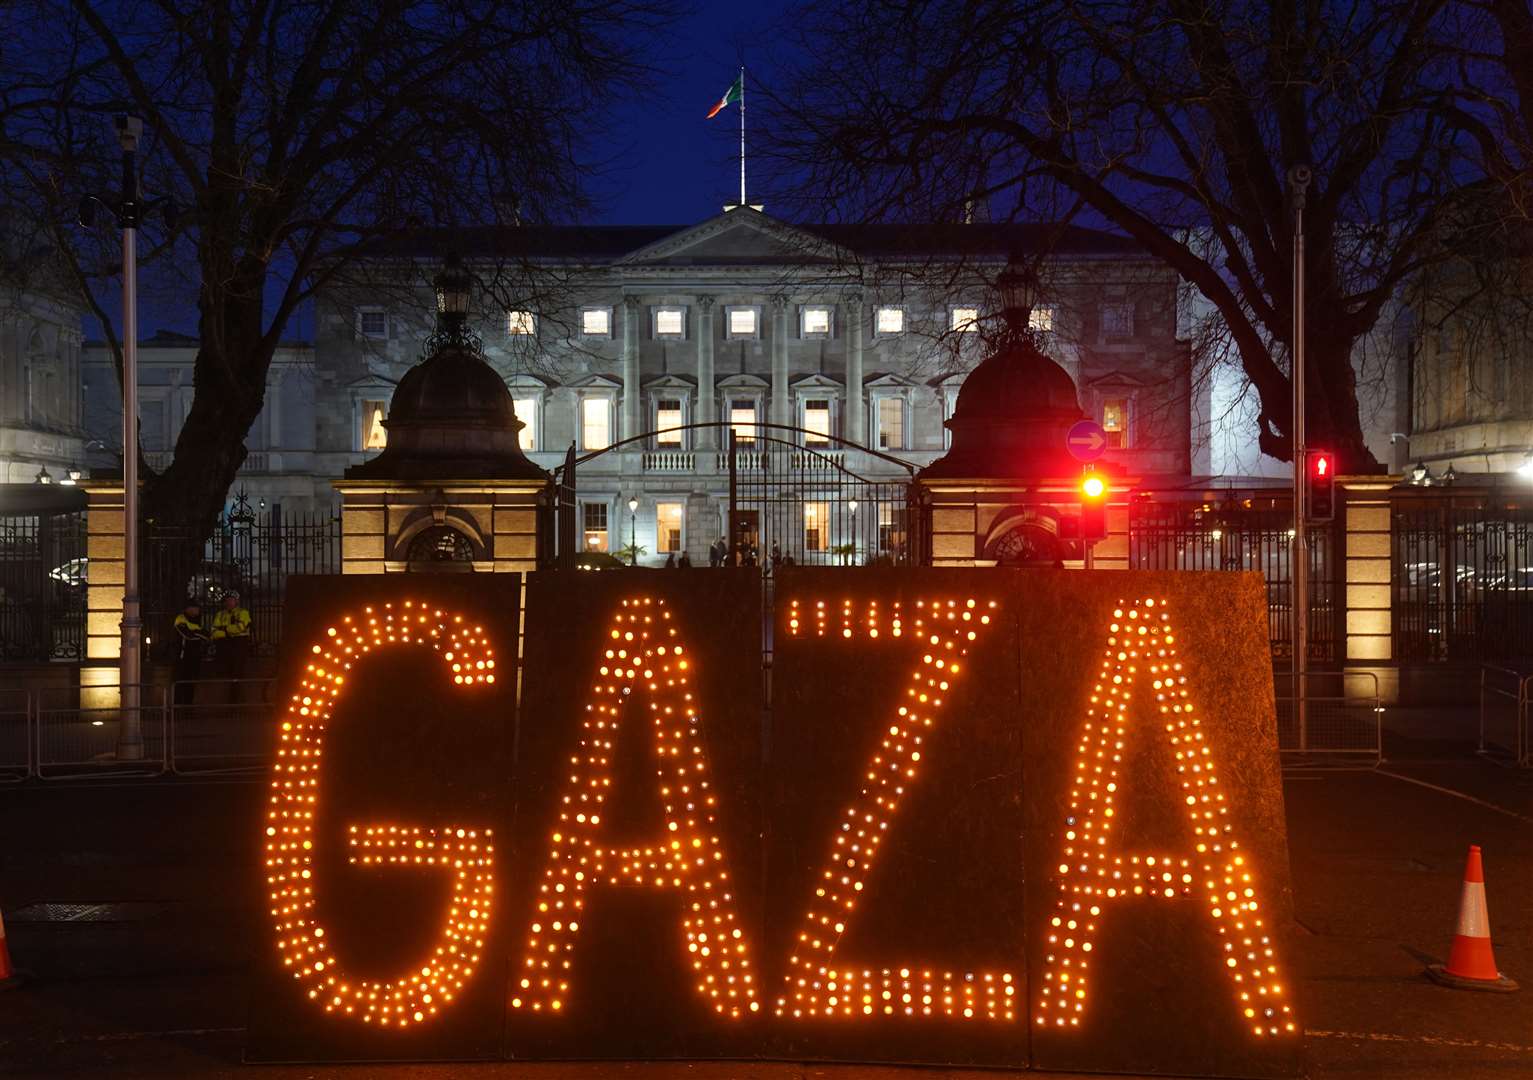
(738,237)
(743,382)
(887,378)
(598,382)
(816,381)
(372,381)
(1117,378)
(671,382)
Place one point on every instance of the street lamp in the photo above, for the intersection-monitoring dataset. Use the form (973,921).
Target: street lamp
(43,475)
(129,210)
(1019,292)
(633,531)
(851,504)
(1421,475)
(72,475)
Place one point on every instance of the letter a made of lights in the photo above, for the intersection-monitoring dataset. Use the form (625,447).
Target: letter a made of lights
(643,652)
(431,983)
(1091,874)
(939,632)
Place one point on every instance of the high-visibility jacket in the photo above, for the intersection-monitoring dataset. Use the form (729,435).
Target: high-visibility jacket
(231,623)
(190,631)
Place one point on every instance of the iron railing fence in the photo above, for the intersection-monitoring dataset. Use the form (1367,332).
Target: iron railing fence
(1463,581)
(1237,535)
(250,553)
(42,587)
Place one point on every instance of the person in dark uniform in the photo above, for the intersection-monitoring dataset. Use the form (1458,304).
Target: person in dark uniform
(192,644)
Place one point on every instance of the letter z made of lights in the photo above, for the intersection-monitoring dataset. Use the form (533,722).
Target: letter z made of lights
(1092,874)
(430,985)
(939,632)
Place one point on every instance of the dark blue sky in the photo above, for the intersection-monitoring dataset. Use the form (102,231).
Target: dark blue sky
(662,162)
(669,165)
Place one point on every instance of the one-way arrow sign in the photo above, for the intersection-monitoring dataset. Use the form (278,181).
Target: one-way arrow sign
(1086,440)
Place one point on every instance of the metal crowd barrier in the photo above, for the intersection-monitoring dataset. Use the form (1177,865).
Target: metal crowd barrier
(1504,714)
(15,736)
(1343,717)
(220,726)
(75,739)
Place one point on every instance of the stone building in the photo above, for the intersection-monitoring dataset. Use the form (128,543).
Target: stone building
(857,335)
(854,333)
(41,425)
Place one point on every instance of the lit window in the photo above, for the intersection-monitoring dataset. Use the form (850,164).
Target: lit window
(890,320)
(1041,319)
(596,423)
(1118,319)
(596,322)
(668,422)
(670,322)
(813,320)
(374,436)
(373,323)
(593,525)
(742,418)
(891,423)
(816,521)
(817,422)
(1115,422)
(527,413)
(521,323)
(742,322)
(963,320)
(668,526)
(891,527)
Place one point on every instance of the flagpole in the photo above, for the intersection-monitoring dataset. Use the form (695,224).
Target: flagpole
(742,136)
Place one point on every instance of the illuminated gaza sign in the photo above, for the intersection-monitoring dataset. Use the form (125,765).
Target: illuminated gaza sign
(643,658)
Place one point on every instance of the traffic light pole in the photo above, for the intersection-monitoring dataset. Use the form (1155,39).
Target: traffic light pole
(1298,183)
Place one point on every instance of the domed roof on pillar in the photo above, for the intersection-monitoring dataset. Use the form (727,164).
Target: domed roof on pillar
(1012,416)
(452,417)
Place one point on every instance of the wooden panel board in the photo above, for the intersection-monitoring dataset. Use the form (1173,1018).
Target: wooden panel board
(405,747)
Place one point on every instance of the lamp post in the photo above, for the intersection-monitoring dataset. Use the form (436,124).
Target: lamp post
(128,209)
(1298,183)
(851,504)
(633,531)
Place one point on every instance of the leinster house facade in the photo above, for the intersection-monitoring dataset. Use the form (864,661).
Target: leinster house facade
(644,347)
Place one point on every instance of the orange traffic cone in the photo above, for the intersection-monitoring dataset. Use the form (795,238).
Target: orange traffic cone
(10,978)
(1471,963)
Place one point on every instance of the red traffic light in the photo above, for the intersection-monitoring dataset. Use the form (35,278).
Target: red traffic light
(1320,485)
(1093,486)
(1321,464)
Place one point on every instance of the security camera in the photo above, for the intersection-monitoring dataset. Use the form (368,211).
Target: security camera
(1300,175)
(129,130)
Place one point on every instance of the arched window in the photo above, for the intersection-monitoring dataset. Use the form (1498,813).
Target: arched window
(441,548)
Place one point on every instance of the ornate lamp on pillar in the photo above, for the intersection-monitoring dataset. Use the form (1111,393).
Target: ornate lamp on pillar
(1007,490)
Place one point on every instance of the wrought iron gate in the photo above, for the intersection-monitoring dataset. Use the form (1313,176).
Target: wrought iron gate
(1237,536)
(787,496)
(42,587)
(1463,581)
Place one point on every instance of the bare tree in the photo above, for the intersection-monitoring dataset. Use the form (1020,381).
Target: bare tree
(1175,122)
(298,135)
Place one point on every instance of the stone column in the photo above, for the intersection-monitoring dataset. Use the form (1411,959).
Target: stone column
(631,403)
(1368,599)
(706,411)
(782,410)
(855,425)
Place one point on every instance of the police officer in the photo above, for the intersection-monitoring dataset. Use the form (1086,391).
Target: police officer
(193,643)
(231,632)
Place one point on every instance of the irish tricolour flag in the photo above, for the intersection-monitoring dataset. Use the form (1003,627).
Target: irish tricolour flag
(731,95)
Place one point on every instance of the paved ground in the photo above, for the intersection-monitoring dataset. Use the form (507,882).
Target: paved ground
(1376,855)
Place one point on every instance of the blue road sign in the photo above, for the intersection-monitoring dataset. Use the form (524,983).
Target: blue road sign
(1086,440)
